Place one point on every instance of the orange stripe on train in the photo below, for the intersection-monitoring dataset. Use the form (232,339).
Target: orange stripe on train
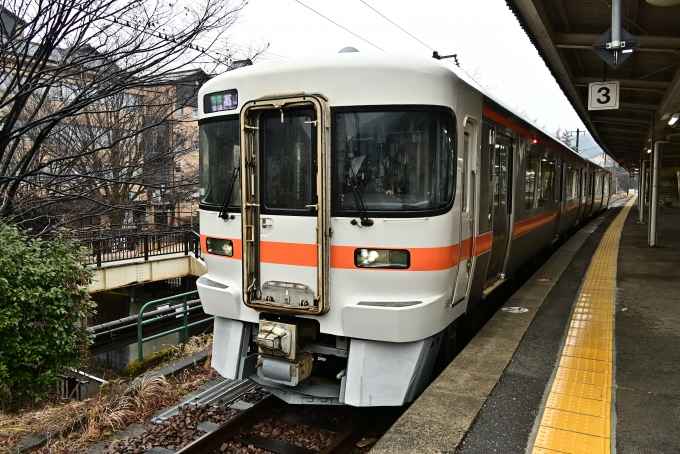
(297,254)
(422,259)
(483,243)
(570,208)
(535,222)
(342,257)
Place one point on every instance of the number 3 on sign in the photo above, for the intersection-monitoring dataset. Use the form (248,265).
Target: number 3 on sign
(603,95)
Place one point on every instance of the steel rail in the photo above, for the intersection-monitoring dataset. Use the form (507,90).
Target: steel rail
(225,432)
(343,442)
(347,439)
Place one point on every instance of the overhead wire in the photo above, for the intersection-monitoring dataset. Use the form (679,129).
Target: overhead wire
(412,36)
(593,147)
(335,23)
(396,25)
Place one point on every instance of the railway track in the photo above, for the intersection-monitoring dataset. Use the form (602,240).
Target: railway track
(238,430)
(239,417)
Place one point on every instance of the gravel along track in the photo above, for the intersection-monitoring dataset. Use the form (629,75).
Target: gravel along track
(280,429)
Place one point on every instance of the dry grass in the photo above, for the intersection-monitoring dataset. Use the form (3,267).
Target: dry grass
(117,406)
(194,345)
(14,427)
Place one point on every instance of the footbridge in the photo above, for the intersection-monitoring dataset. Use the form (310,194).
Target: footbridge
(123,257)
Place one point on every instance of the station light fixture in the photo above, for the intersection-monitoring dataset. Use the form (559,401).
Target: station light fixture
(534,142)
(663,2)
(219,246)
(674,119)
(382,258)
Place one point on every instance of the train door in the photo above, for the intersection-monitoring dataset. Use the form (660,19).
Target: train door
(501,173)
(285,211)
(467,208)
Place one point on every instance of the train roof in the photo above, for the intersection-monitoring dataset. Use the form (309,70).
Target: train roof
(360,78)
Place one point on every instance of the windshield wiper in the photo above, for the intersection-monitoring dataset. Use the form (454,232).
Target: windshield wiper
(224,214)
(358,196)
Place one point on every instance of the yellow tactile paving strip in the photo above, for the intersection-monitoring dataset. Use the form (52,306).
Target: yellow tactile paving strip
(577,414)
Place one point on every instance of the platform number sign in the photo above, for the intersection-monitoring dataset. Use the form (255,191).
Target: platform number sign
(603,95)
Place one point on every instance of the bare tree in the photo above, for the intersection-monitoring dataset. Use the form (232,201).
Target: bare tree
(476,75)
(564,136)
(525,113)
(127,146)
(84,98)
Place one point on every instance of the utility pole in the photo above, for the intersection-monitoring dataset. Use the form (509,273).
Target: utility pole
(578,133)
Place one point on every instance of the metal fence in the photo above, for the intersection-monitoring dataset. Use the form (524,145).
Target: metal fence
(115,245)
(184,313)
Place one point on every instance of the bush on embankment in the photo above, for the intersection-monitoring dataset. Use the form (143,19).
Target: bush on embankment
(137,367)
(44,306)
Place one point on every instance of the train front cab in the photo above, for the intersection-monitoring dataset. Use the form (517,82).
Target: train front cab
(347,304)
(335,278)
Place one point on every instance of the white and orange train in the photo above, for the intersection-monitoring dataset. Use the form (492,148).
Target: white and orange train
(353,206)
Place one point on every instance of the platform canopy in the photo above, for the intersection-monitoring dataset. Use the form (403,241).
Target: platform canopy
(563,32)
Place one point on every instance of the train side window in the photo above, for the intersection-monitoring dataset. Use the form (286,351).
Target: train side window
(464,182)
(584,185)
(568,183)
(501,167)
(546,186)
(601,185)
(606,186)
(602,180)
(531,176)
(572,183)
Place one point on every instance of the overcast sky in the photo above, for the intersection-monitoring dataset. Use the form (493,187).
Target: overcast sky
(484,33)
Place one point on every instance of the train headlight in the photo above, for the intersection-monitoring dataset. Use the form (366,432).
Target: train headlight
(220,247)
(382,258)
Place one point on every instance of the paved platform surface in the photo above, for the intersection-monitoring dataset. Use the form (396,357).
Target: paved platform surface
(647,337)
(514,384)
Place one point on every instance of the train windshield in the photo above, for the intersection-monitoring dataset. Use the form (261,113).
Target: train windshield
(402,160)
(220,156)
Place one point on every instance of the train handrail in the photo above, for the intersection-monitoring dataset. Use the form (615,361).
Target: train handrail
(184,313)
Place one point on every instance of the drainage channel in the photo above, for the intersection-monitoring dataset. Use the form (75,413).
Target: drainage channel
(219,394)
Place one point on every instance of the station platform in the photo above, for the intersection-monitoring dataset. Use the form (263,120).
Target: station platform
(590,363)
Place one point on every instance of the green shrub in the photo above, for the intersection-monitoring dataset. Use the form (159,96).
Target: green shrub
(44,306)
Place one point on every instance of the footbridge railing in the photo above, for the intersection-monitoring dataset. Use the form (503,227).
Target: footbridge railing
(116,245)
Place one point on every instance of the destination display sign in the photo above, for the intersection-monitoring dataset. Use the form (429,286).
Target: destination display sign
(220,101)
